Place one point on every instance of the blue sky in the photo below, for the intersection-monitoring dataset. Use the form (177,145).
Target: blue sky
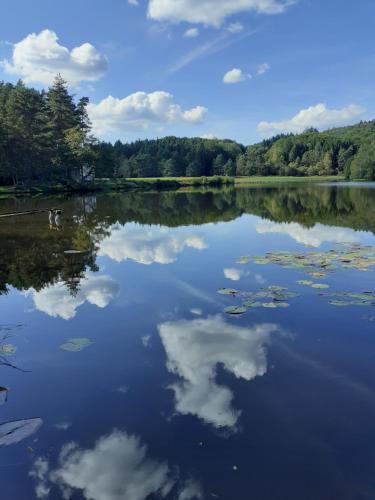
(190,67)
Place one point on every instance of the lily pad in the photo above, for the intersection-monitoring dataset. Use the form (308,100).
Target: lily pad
(243,260)
(235,310)
(75,252)
(76,345)
(339,303)
(7,349)
(320,286)
(17,430)
(305,282)
(227,291)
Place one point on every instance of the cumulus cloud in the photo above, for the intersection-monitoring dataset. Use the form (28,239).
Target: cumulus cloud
(233,274)
(194,350)
(263,68)
(191,33)
(318,116)
(147,246)
(211,12)
(133,2)
(116,468)
(39,57)
(139,111)
(235,75)
(56,300)
(310,236)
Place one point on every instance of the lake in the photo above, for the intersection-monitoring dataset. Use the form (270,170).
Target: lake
(189,345)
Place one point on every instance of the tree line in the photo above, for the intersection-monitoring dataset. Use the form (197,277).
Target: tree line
(45,136)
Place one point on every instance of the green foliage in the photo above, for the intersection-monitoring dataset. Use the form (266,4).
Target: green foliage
(44,136)
(334,152)
(363,165)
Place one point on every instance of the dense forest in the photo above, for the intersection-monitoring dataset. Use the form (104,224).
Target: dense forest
(45,136)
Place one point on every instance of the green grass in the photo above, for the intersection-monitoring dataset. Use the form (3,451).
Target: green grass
(279,179)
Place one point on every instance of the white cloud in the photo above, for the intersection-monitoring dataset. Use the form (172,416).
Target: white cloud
(235,27)
(263,68)
(139,111)
(318,116)
(147,246)
(133,2)
(191,33)
(233,274)
(210,12)
(39,57)
(116,468)
(194,350)
(235,75)
(56,300)
(313,237)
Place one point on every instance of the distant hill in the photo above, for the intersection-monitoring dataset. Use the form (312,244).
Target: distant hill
(345,150)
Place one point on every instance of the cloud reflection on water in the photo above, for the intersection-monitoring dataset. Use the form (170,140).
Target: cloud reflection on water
(310,236)
(58,301)
(147,246)
(118,467)
(194,350)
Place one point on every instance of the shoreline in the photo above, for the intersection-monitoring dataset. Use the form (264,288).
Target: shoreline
(156,184)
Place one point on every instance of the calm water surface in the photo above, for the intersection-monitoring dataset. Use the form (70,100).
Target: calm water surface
(174,398)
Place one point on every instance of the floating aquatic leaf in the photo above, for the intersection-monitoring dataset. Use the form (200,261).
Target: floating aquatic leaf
(320,286)
(7,349)
(76,345)
(243,260)
(305,282)
(75,252)
(17,430)
(234,310)
(260,261)
(227,291)
(339,303)
(251,304)
(362,303)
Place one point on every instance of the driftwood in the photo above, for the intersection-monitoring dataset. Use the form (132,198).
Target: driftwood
(29,212)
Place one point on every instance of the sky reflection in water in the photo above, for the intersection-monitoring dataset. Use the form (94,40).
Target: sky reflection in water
(174,398)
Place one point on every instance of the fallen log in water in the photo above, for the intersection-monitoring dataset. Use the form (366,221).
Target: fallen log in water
(29,212)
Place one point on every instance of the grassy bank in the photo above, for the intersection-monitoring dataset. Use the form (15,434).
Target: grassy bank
(113,185)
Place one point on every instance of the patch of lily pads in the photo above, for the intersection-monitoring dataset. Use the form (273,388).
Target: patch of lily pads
(319,264)
(272,297)
(345,299)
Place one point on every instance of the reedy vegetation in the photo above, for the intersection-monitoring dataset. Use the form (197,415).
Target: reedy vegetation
(44,136)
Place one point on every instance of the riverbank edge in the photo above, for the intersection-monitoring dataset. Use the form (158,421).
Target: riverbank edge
(147,184)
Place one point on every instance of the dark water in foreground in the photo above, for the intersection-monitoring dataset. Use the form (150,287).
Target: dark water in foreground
(167,396)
